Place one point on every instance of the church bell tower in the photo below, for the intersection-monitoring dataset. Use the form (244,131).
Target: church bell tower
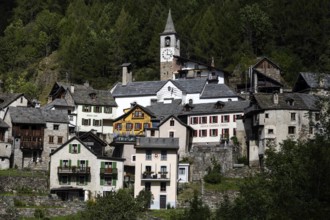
(169,46)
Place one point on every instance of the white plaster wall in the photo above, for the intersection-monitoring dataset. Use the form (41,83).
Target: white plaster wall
(156,163)
(174,93)
(21,101)
(125,102)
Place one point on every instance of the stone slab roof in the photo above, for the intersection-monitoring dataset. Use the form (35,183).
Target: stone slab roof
(301,101)
(313,79)
(157,143)
(25,115)
(190,85)
(143,88)
(57,103)
(83,96)
(163,110)
(217,91)
(7,98)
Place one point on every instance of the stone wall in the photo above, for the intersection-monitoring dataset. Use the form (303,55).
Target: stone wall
(32,183)
(201,158)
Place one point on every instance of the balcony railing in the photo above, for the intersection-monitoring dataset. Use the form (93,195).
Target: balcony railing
(31,145)
(108,171)
(161,176)
(125,139)
(73,170)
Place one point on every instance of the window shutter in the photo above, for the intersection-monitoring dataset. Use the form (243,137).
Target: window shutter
(199,133)
(89,121)
(114,164)
(78,163)
(70,148)
(191,120)
(210,131)
(222,132)
(211,119)
(78,148)
(102,181)
(216,132)
(221,118)
(61,163)
(69,163)
(114,182)
(234,117)
(102,164)
(69,180)
(86,163)
(216,119)
(228,118)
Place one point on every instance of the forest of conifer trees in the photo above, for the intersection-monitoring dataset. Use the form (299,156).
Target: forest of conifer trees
(91,39)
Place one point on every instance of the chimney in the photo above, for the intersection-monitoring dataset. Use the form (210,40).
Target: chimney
(212,62)
(72,88)
(127,73)
(275,97)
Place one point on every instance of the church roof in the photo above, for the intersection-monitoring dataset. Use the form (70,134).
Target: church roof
(169,28)
(216,91)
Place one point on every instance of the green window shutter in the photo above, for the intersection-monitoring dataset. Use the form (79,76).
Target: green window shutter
(78,163)
(78,148)
(114,182)
(69,163)
(69,180)
(114,164)
(70,148)
(61,163)
(102,164)
(86,163)
(102,181)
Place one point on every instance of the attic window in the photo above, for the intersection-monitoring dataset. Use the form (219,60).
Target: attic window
(219,105)
(92,95)
(169,88)
(290,102)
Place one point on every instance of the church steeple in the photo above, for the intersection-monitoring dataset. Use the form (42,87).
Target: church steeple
(169,28)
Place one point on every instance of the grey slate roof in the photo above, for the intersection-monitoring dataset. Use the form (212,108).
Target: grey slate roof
(169,28)
(7,98)
(211,108)
(157,143)
(25,115)
(56,103)
(162,110)
(143,88)
(216,91)
(81,95)
(313,79)
(3,124)
(301,101)
(190,85)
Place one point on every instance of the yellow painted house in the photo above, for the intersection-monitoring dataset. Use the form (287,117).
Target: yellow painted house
(134,121)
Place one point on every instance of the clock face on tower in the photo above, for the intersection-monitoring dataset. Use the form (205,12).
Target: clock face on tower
(167,54)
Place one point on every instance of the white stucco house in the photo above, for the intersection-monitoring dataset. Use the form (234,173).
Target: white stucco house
(156,169)
(78,171)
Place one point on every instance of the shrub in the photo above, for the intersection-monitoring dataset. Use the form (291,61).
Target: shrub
(39,213)
(213,178)
(18,203)
(243,160)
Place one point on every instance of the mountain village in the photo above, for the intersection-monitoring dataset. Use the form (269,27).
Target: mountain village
(155,135)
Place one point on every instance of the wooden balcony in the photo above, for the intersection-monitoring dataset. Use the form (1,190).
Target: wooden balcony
(124,139)
(108,171)
(150,176)
(73,170)
(31,145)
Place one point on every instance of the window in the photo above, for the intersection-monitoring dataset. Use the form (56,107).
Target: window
(225,133)
(21,100)
(129,126)
(146,125)
(97,109)
(292,130)
(107,110)
(266,115)
(203,120)
(137,126)
(213,132)
(148,154)
(65,163)
(70,117)
(97,122)
(138,114)
(64,180)
(182,171)
(171,134)
(81,180)
(56,127)
(152,133)
(87,108)
(163,186)
(163,169)
(172,122)
(118,126)
(133,158)
(270,131)
(225,119)
(194,120)
(86,122)
(293,116)
(108,180)
(163,155)
(234,131)
(59,140)
(203,133)
(74,148)
(194,133)
(147,186)
(311,130)
(51,139)
(213,119)
(317,116)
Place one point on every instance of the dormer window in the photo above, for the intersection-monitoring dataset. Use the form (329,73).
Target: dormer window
(92,95)
(290,102)
(187,107)
(219,105)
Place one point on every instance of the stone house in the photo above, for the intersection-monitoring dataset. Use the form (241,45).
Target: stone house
(11,100)
(79,170)
(312,83)
(35,133)
(156,170)
(272,118)
(5,146)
